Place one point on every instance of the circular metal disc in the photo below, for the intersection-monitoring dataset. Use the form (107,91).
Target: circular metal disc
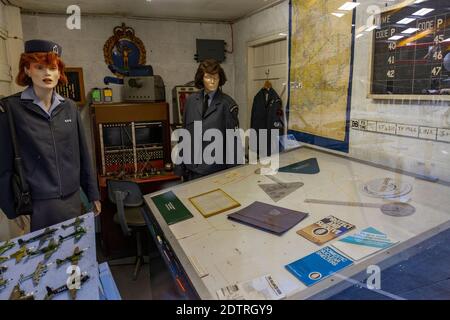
(398,209)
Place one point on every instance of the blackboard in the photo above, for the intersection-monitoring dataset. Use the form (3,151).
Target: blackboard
(74,89)
(411,51)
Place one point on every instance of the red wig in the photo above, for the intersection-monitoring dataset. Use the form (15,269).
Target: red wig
(45,58)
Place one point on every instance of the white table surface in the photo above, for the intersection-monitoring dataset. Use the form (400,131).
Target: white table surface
(231,252)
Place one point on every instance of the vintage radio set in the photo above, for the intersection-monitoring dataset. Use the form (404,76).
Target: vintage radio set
(130,147)
(131,139)
(150,88)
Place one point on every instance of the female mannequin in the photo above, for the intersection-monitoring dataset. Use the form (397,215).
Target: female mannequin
(51,140)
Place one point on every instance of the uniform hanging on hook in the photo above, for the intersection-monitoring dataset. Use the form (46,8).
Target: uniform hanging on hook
(267,83)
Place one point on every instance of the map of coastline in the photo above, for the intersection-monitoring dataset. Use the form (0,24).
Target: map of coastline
(320,63)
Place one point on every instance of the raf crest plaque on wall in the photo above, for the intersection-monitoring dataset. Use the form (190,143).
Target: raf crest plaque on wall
(123,52)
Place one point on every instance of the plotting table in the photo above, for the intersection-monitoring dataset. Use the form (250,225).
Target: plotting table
(216,252)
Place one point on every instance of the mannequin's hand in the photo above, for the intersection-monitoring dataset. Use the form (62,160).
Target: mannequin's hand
(97,207)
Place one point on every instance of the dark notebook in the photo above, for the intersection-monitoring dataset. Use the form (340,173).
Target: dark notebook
(267,217)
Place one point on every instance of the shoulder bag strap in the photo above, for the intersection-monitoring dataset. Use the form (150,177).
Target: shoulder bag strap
(17,159)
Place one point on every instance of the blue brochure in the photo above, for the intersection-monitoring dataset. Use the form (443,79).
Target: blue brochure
(318,265)
(364,243)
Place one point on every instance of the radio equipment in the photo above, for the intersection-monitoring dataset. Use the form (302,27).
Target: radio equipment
(149,88)
(131,139)
(130,147)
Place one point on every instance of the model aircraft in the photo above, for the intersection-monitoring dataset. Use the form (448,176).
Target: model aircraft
(78,234)
(4,283)
(6,246)
(20,254)
(73,292)
(38,273)
(47,251)
(41,237)
(75,224)
(74,258)
(3,269)
(19,294)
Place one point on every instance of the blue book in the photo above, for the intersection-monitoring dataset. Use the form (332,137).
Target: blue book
(318,265)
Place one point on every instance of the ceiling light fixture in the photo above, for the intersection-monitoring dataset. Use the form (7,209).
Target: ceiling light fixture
(396,37)
(406,20)
(422,12)
(338,14)
(349,6)
(410,30)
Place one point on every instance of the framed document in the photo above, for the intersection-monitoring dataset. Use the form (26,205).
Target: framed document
(213,202)
(74,89)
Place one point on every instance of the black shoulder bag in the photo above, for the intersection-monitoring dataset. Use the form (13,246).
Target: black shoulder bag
(22,196)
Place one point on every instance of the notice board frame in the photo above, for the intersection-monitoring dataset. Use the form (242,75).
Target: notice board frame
(376,96)
(73,90)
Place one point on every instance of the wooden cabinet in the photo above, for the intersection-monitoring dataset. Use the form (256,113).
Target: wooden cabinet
(129,123)
(126,158)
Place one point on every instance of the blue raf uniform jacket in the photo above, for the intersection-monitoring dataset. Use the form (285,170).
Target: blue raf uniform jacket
(222,114)
(53,148)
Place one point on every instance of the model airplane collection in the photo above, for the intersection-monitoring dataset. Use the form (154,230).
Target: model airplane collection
(24,253)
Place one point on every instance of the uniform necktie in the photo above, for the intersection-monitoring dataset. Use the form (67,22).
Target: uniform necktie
(205,104)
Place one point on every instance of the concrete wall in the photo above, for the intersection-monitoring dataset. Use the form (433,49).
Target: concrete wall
(170,47)
(10,44)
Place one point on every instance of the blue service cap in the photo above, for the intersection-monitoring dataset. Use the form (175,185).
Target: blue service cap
(42,46)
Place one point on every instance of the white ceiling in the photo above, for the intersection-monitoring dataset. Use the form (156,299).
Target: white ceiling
(208,10)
